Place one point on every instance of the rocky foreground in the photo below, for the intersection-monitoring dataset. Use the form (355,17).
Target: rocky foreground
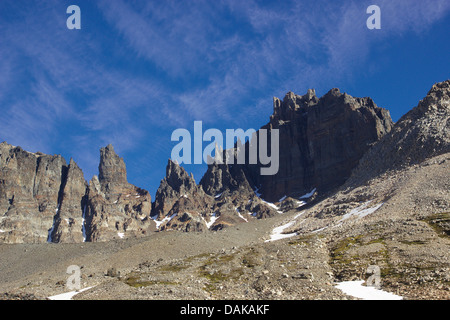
(407,237)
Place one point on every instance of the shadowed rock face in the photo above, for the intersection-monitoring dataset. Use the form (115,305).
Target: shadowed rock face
(68,223)
(321,142)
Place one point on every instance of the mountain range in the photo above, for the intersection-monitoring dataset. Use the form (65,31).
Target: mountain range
(326,144)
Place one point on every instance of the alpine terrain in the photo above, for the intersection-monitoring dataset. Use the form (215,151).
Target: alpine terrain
(354,193)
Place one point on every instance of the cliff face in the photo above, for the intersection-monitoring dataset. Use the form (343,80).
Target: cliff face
(321,140)
(44,199)
(30,189)
(68,222)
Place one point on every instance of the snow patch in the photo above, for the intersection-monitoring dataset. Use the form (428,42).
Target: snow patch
(308,195)
(300,203)
(357,290)
(68,295)
(121,235)
(83,227)
(240,215)
(50,232)
(211,220)
(165,220)
(361,211)
(318,230)
(218,195)
(277,233)
(272,206)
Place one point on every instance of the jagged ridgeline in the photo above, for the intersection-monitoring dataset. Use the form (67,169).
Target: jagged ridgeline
(322,141)
(42,199)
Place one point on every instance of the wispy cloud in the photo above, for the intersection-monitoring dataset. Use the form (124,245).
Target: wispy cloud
(145,67)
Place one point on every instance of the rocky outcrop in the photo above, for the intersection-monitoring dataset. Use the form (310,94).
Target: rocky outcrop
(321,141)
(236,201)
(114,208)
(44,199)
(180,204)
(69,222)
(422,133)
(112,171)
(30,188)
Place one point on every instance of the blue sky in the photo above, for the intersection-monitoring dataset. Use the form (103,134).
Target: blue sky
(137,70)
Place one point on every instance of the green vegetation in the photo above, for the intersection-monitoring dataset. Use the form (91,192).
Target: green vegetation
(250,259)
(173,267)
(440,222)
(415,242)
(134,280)
(214,277)
(338,252)
(302,240)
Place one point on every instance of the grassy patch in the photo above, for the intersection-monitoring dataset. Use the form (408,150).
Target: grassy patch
(338,252)
(199,256)
(250,259)
(379,240)
(173,267)
(415,242)
(217,277)
(214,277)
(134,280)
(302,240)
(440,222)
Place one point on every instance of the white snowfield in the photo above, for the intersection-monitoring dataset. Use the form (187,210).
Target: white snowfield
(277,233)
(357,290)
(166,219)
(240,215)
(308,195)
(361,211)
(211,220)
(358,213)
(68,295)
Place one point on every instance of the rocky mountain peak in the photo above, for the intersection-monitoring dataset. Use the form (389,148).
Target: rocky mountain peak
(285,109)
(112,170)
(436,99)
(321,141)
(422,133)
(178,178)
